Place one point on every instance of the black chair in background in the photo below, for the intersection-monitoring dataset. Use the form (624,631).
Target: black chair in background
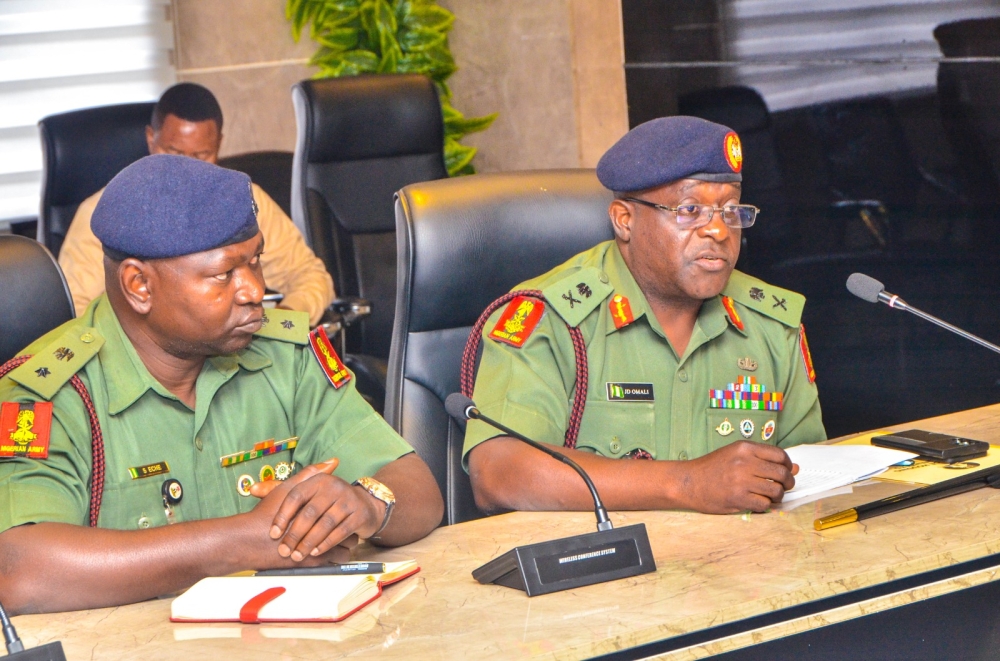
(34,296)
(969,96)
(271,170)
(463,243)
(361,139)
(82,151)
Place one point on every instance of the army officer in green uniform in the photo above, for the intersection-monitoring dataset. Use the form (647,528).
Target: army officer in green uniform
(178,430)
(687,361)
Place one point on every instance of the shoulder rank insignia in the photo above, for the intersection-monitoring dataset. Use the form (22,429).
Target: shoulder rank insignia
(621,311)
(24,429)
(778,304)
(734,316)
(518,321)
(578,294)
(50,368)
(328,359)
(285,325)
(807,359)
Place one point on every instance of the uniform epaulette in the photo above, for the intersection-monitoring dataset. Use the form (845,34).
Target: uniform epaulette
(578,294)
(49,369)
(285,325)
(774,302)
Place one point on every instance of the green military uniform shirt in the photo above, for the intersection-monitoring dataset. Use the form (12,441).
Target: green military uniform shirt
(642,396)
(273,389)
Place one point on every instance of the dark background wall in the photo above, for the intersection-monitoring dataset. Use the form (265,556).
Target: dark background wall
(901,184)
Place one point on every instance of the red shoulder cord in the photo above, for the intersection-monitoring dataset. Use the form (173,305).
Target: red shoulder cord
(96,438)
(468,376)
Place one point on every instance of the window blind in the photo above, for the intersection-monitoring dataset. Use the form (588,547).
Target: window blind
(60,55)
(823,50)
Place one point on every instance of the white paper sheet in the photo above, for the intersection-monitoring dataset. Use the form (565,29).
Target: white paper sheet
(824,467)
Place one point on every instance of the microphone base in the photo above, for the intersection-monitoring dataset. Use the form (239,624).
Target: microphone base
(49,652)
(572,562)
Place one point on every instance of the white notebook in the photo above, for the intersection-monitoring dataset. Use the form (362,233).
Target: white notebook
(252,599)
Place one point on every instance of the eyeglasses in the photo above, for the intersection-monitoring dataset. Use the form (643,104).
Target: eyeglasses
(693,216)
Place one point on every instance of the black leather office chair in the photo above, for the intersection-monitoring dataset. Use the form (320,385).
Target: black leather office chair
(34,296)
(82,150)
(463,243)
(361,139)
(271,170)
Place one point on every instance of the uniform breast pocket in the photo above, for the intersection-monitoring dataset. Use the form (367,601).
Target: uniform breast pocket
(728,425)
(134,505)
(618,429)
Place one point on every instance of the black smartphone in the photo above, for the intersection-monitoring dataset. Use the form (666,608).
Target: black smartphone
(930,445)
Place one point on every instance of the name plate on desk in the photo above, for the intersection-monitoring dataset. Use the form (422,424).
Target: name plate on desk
(563,564)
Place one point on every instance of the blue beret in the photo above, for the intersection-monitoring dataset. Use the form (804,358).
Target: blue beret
(167,206)
(670,148)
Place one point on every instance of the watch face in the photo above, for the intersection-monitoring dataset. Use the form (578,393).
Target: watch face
(378,489)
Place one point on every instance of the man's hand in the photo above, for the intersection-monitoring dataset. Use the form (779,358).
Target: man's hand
(315,511)
(740,476)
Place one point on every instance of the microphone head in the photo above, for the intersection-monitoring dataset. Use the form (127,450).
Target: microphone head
(865,287)
(457,405)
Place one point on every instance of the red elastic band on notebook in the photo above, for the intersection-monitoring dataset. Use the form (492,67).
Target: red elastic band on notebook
(250,610)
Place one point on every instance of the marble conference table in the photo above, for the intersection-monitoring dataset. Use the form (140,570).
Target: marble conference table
(714,573)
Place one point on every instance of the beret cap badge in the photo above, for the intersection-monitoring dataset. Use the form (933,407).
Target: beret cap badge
(733,151)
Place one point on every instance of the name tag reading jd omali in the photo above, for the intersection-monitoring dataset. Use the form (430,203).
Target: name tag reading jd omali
(630,392)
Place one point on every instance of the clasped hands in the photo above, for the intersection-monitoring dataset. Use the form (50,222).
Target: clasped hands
(314,512)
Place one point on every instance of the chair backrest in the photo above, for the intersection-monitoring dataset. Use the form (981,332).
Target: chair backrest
(360,139)
(463,243)
(969,94)
(34,296)
(271,170)
(82,151)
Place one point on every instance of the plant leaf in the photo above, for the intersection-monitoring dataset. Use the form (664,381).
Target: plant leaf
(456,155)
(466,125)
(420,39)
(339,40)
(429,16)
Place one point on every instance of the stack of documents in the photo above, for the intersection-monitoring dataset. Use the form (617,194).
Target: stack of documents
(825,467)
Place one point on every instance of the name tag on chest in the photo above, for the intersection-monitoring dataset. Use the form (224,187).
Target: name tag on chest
(630,392)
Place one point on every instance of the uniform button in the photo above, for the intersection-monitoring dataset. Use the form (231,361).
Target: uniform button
(143,522)
(198,444)
(683,456)
(683,376)
(603,277)
(616,446)
(87,338)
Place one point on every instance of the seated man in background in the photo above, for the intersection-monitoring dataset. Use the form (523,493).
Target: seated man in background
(202,405)
(685,354)
(187,121)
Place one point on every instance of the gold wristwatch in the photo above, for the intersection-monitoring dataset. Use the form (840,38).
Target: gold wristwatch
(383,493)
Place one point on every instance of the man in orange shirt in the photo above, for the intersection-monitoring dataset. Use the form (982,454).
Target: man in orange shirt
(187,121)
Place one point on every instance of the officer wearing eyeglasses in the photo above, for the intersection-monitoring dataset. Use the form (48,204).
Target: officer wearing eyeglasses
(686,361)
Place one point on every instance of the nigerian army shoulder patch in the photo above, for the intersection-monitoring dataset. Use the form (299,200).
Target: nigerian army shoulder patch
(518,321)
(335,370)
(579,293)
(807,359)
(24,429)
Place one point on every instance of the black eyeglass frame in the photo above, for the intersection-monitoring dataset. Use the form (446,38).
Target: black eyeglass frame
(721,210)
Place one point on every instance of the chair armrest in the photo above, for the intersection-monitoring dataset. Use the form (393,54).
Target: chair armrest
(350,309)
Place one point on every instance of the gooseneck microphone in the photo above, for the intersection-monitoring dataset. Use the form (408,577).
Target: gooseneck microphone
(871,290)
(15,648)
(461,407)
(569,562)
(9,634)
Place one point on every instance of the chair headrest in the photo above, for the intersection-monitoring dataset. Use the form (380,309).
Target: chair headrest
(84,149)
(369,116)
(740,108)
(471,239)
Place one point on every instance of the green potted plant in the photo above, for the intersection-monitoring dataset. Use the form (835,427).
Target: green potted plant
(390,36)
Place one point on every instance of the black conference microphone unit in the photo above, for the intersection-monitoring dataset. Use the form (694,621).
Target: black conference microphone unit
(873,291)
(571,562)
(15,648)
